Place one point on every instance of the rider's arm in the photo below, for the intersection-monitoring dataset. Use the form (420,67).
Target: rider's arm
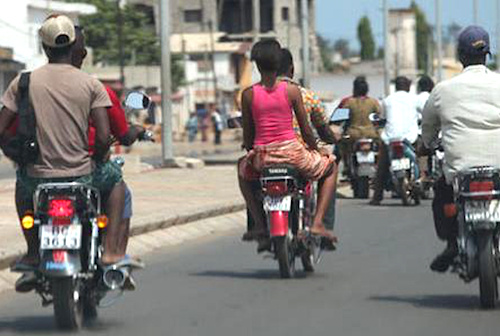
(320,121)
(101,123)
(118,122)
(6,119)
(247,120)
(431,123)
(295,97)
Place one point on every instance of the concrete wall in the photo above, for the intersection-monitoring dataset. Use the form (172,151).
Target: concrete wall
(402,43)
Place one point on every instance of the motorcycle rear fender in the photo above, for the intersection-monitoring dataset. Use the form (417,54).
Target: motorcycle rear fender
(278,223)
(60,263)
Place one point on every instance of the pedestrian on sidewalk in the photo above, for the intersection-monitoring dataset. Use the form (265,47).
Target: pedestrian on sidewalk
(192,127)
(217,124)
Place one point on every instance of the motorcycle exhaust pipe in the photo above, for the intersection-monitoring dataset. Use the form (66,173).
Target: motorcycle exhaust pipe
(114,278)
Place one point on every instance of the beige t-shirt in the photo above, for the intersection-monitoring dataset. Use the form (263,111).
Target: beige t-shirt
(62,97)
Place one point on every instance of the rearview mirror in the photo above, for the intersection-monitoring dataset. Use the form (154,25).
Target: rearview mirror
(374,117)
(137,100)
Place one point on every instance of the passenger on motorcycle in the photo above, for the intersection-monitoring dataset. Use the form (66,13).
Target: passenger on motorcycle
(270,139)
(424,88)
(466,109)
(359,125)
(399,110)
(63,110)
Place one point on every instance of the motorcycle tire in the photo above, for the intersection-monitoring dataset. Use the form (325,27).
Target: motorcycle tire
(285,257)
(363,187)
(68,303)
(89,306)
(403,190)
(307,259)
(488,285)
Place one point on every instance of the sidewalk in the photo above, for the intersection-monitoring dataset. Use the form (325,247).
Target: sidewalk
(162,198)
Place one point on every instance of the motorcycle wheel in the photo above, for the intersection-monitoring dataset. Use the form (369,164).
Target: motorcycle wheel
(403,190)
(363,187)
(285,257)
(488,286)
(68,303)
(89,306)
(307,259)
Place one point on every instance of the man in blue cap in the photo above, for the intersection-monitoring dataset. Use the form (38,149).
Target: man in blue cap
(466,109)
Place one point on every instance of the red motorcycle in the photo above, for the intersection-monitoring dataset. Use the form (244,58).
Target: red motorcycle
(289,203)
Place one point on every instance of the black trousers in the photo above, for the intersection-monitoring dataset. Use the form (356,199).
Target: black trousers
(446,227)
(383,173)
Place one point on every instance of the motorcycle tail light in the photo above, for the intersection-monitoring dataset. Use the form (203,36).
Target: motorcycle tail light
(398,149)
(364,146)
(276,188)
(61,210)
(482,188)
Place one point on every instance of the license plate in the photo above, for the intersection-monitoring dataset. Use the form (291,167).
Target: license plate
(365,157)
(482,211)
(400,164)
(60,237)
(278,203)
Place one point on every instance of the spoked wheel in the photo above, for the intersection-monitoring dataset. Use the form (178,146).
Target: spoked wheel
(285,257)
(488,285)
(68,303)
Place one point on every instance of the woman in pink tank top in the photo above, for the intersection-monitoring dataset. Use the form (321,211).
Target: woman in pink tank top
(269,137)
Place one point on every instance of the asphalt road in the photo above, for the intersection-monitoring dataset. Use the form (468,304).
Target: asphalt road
(377,283)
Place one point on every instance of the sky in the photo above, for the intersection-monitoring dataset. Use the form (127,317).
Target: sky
(339,18)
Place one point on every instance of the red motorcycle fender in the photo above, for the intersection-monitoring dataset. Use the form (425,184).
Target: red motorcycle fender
(278,223)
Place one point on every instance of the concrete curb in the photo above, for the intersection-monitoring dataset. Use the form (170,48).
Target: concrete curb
(6,260)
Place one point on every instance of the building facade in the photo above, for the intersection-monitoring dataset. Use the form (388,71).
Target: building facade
(20,21)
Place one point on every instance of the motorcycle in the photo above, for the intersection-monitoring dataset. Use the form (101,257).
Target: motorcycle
(70,221)
(403,172)
(477,195)
(289,204)
(363,166)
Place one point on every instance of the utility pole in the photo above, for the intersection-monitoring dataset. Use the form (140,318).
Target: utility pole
(256,20)
(439,41)
(121,56)
(166,85)
(498,35)
(476,12)
(212,52)
(305,42)
(387,83)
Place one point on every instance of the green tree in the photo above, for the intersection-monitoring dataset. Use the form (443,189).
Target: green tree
(326,53)
(365,37)
(141,44)
(423,32)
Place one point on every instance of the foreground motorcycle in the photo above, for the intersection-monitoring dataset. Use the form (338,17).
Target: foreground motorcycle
(70,221)
(477,194)
(403,172)
(289,203)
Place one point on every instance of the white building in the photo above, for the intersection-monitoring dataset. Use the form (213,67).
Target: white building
(20,21)
(402,42)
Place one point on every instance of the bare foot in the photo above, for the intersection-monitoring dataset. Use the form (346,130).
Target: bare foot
(110,259)
(320,230)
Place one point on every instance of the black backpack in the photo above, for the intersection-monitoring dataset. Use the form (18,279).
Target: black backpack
(23,147)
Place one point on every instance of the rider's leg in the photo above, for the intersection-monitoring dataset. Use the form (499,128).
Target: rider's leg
(124,232)
(254,205)
(382,174)
(114,211)
(326,189)
(329,219)
(410,153)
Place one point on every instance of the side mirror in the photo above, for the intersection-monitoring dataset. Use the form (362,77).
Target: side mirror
(137,100)
(374,117)
(340,115)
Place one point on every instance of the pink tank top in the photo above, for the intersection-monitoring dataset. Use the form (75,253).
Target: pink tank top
(272,115)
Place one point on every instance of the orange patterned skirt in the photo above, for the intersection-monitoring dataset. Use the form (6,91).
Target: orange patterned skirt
(311,164)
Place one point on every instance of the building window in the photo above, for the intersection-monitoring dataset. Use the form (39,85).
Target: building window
(193,15)
(285,14)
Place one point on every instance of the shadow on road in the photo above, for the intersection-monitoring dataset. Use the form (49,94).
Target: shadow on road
(451,302)
(45,325)
(255,275)
(29,325)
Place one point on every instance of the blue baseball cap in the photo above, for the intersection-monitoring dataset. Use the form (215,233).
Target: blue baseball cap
(474,41)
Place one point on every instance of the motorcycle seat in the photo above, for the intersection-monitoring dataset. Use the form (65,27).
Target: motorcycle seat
(278,171)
